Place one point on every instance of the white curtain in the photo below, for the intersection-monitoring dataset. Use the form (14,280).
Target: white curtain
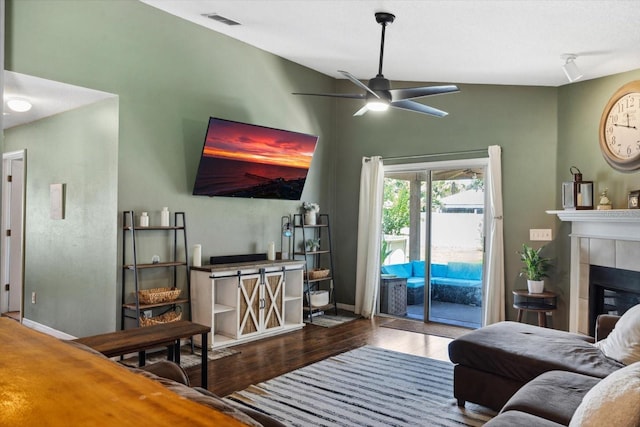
(494,296)
(369,229)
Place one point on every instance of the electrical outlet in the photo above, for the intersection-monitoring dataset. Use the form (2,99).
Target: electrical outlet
(540,234)
(33,297)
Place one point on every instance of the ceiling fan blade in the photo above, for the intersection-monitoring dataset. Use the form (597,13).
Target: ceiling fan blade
(418,108)
(358,82)
(418,92)
(335,95)
(361,111)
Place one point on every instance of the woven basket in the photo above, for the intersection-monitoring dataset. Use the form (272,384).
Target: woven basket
(158,295)
(318,273)
(170,316)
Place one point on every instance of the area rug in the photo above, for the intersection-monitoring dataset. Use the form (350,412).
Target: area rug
(187,359)
(368,386)
(331,320)
(420,327)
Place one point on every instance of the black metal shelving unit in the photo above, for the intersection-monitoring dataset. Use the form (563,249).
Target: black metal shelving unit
(320,258)
(131,267)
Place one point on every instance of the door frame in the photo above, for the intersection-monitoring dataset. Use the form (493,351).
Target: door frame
(442,165)
(12,210)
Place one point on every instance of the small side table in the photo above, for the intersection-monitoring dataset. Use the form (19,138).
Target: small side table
(393,295)
(538,303)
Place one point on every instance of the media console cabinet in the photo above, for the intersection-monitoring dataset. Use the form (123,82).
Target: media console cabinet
(247,301)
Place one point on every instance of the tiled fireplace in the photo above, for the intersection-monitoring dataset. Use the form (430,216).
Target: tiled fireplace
(608,239)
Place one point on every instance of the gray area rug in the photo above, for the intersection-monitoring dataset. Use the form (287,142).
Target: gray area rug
(331,320)
(368,386)
(187,359)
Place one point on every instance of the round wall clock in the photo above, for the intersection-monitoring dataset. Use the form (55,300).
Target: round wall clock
(620,128)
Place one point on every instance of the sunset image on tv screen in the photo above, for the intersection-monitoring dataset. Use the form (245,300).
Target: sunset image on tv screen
(244,160)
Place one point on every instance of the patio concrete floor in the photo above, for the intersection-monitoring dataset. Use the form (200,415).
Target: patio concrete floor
(449,313)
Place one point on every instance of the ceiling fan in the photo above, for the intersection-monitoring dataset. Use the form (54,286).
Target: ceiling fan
(379,96)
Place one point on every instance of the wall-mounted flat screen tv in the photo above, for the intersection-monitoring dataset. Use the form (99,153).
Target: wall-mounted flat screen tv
(246,160)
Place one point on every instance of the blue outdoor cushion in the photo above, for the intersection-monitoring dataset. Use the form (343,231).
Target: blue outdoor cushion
(415,282)
(464,270)
(418,268)
(439,270)
(449,281)
(398,270)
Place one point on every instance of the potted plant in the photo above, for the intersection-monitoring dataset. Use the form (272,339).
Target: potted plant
(534,269)
(312,245)
(310,212)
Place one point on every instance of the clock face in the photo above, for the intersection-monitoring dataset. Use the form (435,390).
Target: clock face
(623,127)
(620,128)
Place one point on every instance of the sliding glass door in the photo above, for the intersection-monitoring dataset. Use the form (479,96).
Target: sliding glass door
(433,242)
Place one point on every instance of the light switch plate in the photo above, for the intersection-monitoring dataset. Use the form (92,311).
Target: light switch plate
(540,234)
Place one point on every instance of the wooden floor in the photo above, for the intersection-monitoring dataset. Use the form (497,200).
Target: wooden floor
(15,315)
(268,358)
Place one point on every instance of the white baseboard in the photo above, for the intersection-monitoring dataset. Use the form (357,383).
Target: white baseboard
(46,329)
(347,307)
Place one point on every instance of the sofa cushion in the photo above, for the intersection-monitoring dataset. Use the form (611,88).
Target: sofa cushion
(554,395)
(398,270)
(464,270)
(623,343)
(456,282)
(519,419)
(522,352)
(612,402)
(415,282)
(418,268)
(438,270)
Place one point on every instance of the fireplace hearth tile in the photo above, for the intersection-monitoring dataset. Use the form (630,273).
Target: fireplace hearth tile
(627,255)
(602,252)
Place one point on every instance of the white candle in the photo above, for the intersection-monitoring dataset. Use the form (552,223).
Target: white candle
(197,255)
(271,251)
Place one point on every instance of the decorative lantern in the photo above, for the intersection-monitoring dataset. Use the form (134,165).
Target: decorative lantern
(577,194)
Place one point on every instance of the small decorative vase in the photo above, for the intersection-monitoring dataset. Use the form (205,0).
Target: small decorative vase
(309,218)
(535,286)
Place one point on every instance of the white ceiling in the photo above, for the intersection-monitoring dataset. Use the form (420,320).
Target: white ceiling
(512,42)
(46,96)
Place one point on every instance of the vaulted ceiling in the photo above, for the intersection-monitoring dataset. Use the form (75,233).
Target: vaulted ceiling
(517,42)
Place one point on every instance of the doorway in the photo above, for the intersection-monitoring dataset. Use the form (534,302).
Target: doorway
(12,262)
(433,240)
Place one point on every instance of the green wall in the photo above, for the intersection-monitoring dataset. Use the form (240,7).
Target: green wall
(71,263)
(171,75)
(522,120)
(580,107)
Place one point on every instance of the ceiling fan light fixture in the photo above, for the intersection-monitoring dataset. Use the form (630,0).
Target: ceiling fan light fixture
(19,105)
(570,68)
(377,105)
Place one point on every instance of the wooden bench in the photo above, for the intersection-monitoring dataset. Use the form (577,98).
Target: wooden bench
(145,338)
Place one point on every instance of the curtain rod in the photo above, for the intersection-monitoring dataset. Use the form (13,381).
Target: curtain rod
(422,156)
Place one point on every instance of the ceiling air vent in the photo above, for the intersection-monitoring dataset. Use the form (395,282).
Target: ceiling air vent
(220,18)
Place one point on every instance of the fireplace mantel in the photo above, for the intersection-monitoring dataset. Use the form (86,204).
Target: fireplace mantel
(607,238)
(614,224)
(612,215)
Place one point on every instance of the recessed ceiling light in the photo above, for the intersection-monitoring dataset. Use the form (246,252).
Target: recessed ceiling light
(19,105)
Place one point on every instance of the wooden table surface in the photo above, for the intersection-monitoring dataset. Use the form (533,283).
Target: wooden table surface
(44,381)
